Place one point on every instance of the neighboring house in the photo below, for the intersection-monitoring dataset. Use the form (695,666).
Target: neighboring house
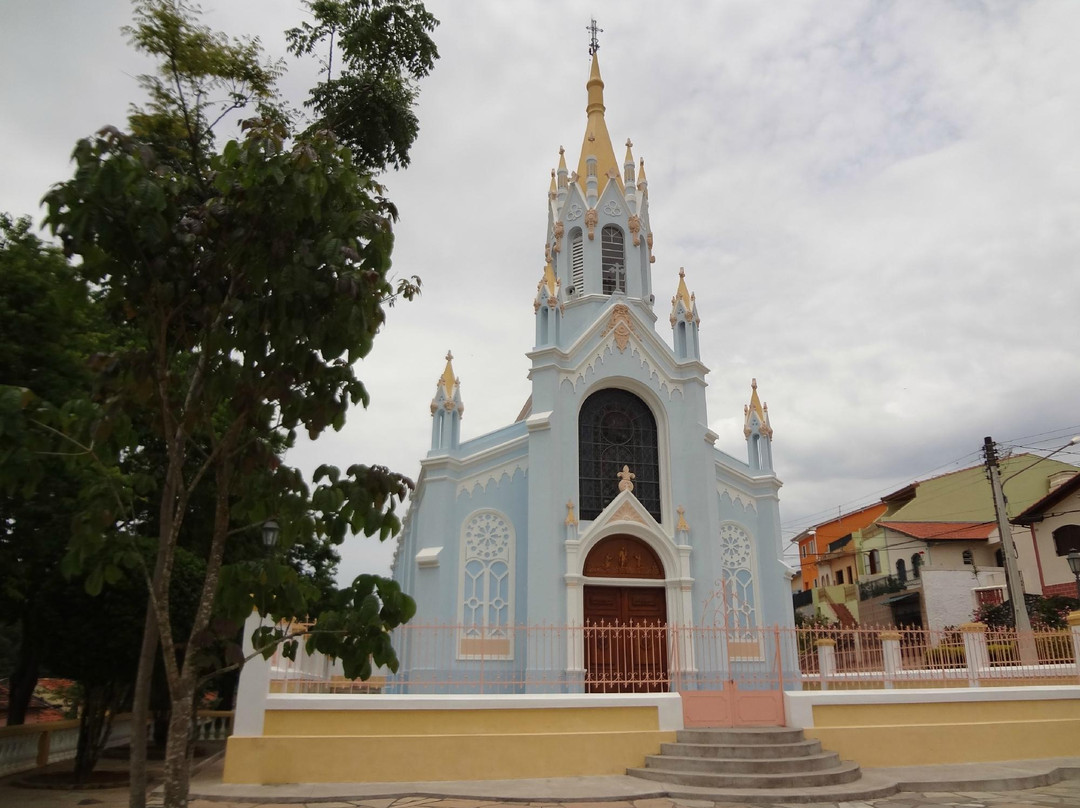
(930,553)
(830,565)
(606,500)
(1051,530)
(937,546)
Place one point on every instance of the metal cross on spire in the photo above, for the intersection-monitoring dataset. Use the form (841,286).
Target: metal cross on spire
(594,44)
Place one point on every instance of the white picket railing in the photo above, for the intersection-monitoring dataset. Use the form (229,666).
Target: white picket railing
(31,746)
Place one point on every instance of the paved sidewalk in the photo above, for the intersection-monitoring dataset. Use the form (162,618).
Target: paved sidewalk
(1017,784)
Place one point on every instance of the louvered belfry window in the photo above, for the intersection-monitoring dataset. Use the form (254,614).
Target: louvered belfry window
(612,259)
(616,429)
(577,262)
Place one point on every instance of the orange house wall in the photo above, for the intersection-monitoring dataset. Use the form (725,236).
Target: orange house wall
(830,531)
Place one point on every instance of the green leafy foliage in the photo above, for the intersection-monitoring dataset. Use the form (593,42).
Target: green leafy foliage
(385,49)
(244,282)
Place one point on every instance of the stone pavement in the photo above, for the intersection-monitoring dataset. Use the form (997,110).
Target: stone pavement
(997,785)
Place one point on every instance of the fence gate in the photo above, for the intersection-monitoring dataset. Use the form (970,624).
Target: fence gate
(755,700)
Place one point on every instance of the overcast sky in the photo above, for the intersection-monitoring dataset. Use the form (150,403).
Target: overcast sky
(876,203)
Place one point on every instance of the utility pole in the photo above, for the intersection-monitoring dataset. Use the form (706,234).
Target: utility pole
(1025,640)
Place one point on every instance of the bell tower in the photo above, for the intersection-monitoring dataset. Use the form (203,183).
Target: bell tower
(599,243)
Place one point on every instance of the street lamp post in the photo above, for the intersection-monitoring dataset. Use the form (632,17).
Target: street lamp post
(1074,565)
(270,531)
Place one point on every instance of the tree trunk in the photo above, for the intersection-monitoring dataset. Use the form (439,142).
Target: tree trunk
(95,725)
(176,749)
(24,677)
(140,712)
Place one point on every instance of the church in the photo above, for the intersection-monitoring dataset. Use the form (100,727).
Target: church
(605,502)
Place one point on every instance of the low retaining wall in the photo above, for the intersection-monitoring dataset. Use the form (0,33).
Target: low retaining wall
(915,727)
(390,738)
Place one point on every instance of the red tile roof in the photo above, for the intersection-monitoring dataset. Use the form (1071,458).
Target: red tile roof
(943,531)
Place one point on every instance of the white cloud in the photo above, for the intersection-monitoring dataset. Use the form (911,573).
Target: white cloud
(876,205)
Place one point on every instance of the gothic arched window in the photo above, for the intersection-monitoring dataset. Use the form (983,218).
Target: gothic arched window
(901,571)
(612,259)
(487,585)
(916,563)
(616,429)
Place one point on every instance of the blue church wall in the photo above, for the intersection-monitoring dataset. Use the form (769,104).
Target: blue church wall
(505,507)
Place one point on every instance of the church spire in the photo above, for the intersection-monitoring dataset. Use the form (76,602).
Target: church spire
(758,432)
(446,410)
(548,306)
(685,321)
(597,142)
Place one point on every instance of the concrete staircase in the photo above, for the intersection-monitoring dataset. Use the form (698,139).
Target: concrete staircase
(751,758)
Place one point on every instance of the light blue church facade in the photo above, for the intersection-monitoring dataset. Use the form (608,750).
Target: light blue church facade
(606,500)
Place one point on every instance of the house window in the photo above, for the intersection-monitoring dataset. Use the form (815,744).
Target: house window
(916,563)
(875,567)
(901,571)
(999,558)
(487,586)
(1067,539)
(616,429)
(969,557)
(839,576)
(802,551)
(850,577)
(577,262)
(612,259)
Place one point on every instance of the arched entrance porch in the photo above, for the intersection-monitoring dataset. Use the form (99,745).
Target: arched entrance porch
(626,623)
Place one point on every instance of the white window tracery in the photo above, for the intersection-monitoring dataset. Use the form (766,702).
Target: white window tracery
(737,582)
(486,606)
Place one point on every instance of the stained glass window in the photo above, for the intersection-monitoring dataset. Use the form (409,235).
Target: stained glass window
(616,429)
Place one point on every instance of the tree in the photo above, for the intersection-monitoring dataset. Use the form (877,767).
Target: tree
(249,279)
(40,294)
(386,48)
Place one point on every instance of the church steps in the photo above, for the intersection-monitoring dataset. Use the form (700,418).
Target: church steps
(705,750)
(741,736)
(775,765)
(746,758)
(845,773)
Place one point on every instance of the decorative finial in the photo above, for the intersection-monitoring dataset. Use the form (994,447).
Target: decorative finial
(561,150)
(681,524)
(449,356)
(753,384)
(682,272)
(625,476)
(570,518)
(629,145)
(594,44)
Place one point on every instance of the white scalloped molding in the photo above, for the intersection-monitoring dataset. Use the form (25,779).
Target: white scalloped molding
(657,378)
(736,497)
(494,474)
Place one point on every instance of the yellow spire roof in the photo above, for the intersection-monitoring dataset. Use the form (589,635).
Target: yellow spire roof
(549,279)
(755,402)
(448,379)
(562,159)
(641,170)
(683,294)
(597,141)
(629,154)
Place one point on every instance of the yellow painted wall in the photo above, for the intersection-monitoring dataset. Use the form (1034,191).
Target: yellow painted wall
(404,758)
(948,732)
(331,746)
(459,722)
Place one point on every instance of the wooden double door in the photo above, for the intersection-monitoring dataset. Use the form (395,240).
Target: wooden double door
(625,639)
